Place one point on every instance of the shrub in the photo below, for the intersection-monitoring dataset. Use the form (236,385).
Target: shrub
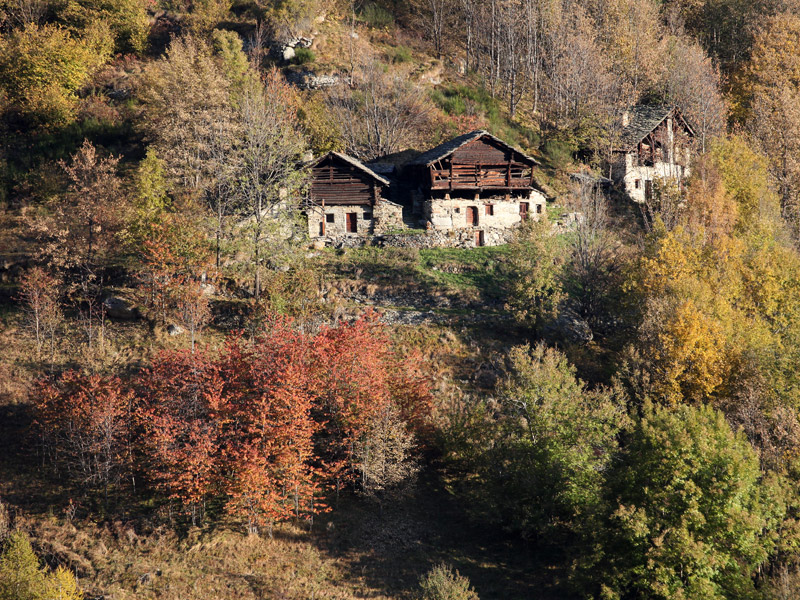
(399,54)
(303,56)
(442,583)
(376,16)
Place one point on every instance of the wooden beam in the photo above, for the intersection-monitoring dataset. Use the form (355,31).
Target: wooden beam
(451,174)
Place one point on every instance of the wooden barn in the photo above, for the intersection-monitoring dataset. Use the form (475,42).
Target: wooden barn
(655,142)
(476,182)
(347,198)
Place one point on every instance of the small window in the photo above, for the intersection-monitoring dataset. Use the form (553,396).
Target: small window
(637,184)
(490,209)
(367,216)
(458,209)
(329,218)
(539,209)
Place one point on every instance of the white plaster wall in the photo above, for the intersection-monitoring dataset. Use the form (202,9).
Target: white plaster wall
(662,170)
(451,213)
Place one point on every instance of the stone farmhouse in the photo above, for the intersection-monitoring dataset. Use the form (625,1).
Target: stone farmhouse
(347,198)
(475,186)
(655,143)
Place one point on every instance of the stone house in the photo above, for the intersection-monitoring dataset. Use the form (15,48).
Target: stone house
(347,199)
(655,142)
(475,185)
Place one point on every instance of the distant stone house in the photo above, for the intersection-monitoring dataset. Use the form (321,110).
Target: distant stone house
(476,185)
(655,142)
(347,199)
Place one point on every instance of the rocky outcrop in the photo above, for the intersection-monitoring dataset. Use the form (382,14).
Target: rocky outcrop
(119,309)
(286,50)
(307,79)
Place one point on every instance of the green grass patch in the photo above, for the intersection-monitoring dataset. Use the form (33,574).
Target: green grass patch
(399,54)
(459,100)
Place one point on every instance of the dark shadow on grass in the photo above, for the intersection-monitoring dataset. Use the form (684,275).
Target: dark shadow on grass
(393,549)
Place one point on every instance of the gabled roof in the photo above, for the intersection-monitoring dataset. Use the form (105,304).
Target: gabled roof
(446,149)
(643,119)
(352,162)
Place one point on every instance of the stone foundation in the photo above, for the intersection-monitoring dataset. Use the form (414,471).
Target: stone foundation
(463,238)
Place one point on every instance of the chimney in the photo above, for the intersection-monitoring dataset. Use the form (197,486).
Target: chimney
(626,118)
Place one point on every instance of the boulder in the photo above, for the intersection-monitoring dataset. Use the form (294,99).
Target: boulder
(288,53)
(173,329)
(571,327)
(119,309)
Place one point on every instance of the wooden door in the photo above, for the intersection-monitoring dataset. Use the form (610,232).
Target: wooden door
(648,189)
(352,223)
(523,210)
(472,216)
(478,238)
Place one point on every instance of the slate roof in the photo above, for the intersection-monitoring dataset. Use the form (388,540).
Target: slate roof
(589,179)
(446,149)
(353,162)
(643,120)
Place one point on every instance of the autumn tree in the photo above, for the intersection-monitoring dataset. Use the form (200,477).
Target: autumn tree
(127,20)
(774,73)
(181,395)
(22,577)
(43,67)
(186,97)
(271,426)
(81,237)
(383,455)
(85,422)
(443,583)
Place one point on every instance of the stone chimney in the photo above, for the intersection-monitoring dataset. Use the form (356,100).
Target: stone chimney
(626,118)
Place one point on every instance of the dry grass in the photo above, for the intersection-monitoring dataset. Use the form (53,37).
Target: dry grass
(115,561)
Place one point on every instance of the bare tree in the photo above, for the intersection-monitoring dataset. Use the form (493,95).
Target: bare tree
(379,114)
(22,12)
(692,81)
(384,455)
(40,292)
(595,264)
(435,17)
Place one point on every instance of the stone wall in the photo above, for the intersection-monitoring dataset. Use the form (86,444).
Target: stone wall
(456,238)
(384,216)
(388,216)
(335,218)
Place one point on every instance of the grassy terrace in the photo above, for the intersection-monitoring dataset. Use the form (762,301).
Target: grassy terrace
(475,274)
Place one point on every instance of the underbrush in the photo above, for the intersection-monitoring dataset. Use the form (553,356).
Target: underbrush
(477,103)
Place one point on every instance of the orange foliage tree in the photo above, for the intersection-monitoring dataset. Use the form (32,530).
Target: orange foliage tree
(86,425)
(270,427)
